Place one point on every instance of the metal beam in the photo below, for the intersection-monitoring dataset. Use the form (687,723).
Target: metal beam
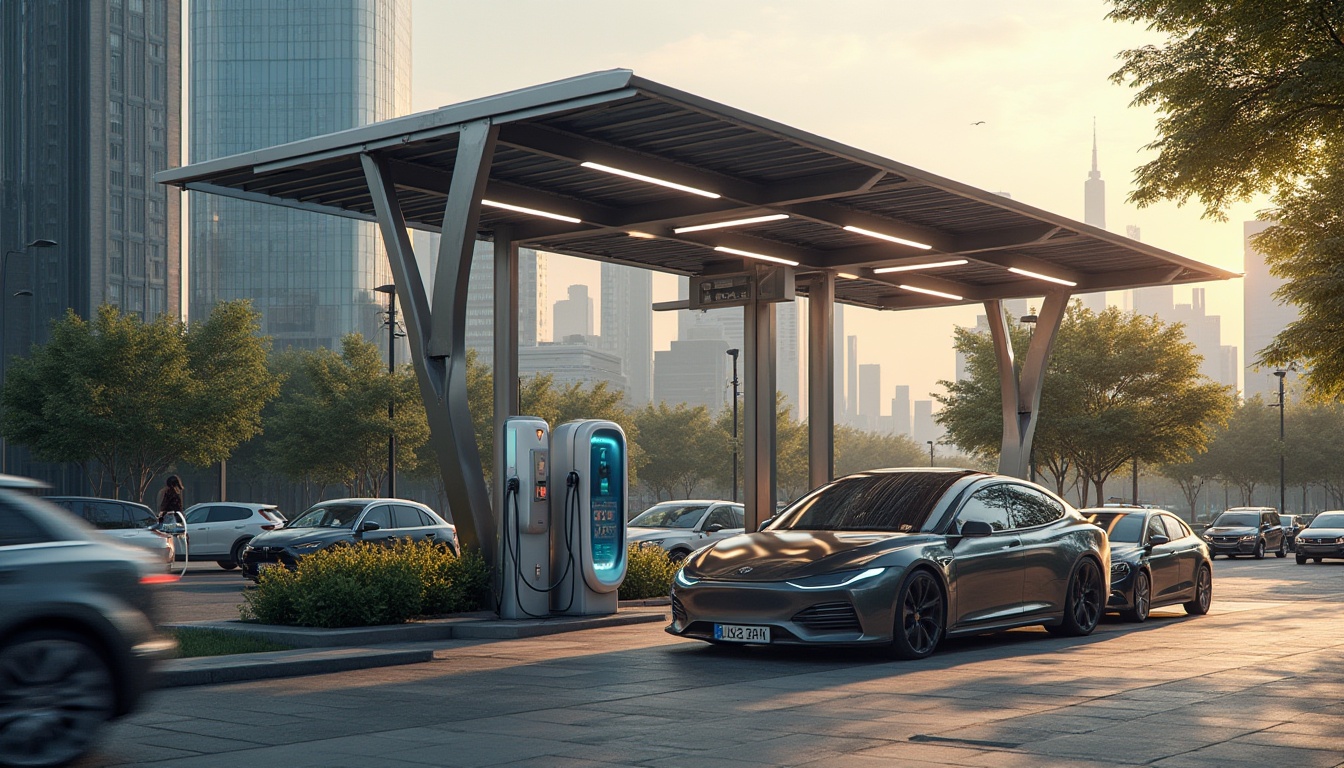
(820,380)
(461,212)
(443,381)
(758,433)
(1021,393)
(506,347)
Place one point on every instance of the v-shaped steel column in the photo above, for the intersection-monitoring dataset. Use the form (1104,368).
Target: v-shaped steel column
(1022,392)
(438,339)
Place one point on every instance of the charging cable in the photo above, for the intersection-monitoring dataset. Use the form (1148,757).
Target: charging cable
(513,541)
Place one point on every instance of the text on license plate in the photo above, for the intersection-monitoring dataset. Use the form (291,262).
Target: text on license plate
(737,633)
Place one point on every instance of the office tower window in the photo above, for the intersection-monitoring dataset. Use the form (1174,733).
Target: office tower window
(116,258)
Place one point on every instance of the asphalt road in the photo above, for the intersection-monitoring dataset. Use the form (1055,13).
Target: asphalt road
(1256,682)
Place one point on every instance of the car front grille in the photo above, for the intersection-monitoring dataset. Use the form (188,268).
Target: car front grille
(678,612)
(829,617)
(1317,540)
(1226,539)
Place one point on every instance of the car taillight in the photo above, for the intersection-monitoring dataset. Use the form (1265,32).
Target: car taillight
(272,527)
(158,578)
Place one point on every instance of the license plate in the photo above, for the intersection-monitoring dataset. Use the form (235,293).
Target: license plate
(737,633)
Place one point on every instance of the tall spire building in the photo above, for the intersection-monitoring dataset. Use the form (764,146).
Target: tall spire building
(1094,213)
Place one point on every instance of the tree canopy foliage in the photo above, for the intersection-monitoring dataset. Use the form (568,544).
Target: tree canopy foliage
(1251,101)
(129,398)
(1118,387)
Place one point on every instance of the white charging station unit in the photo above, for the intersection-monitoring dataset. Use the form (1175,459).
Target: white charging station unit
(524,540)
(588,515)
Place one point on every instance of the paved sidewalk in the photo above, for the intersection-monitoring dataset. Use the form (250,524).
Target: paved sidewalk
(1255,683)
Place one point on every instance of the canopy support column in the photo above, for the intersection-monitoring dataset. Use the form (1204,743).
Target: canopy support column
(438,339)
(506,345)
(1022,392)
(821,380)
(759,418)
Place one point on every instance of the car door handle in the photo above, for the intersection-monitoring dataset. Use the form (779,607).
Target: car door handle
(430,535)
(1012,543)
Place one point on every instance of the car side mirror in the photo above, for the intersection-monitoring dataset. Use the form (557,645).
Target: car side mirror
(368,525)
(976,529)
(1157,540)
(766,522)
(713,527)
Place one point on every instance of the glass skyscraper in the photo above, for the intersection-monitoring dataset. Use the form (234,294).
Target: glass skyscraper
(264,73)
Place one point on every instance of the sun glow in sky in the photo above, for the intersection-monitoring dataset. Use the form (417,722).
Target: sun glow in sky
(906,80)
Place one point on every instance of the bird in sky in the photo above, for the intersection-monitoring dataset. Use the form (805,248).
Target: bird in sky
(978,122)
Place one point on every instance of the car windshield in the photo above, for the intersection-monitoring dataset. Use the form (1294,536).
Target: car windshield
(900,502)
(1328,520)
(670,516)
(1238,519)
(328,516)
(1127,529)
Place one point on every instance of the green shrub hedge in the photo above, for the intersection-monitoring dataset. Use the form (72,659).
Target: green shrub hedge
(648,573)
(369,584)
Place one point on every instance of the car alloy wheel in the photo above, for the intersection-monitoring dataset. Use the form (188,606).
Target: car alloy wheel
(1203,593)
(1260,549)
(1301,559)
(56,691)
(1082,605)
(1283,550)
(920,616)
(1143,598)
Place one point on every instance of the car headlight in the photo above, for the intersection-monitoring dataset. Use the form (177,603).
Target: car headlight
(651,543)
(1208,537)
(310,545)
(682,579)
(837,579)
(1251,537)
(1119,569)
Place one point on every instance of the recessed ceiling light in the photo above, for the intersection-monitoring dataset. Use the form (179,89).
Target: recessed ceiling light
(733,223)
(1039,276)
(532,211)
(847,276)
(910,267)
(760,256)
(931,292)
(650,179)
(642,235)
(888,238)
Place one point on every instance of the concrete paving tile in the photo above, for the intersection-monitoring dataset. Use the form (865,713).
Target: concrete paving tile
(1238,754)
(1278,738)
(943,754)
(1090,746)
(795,749)
(472,752)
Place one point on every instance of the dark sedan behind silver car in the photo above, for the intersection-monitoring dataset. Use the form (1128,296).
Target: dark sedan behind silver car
(900,558)
(77,632)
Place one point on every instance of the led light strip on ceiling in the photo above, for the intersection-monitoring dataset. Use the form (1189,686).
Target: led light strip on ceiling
(910,267)
(531,211)
(931,292)
(650,179)
(733,223)
(760,256)
(888,238)
(1039,276)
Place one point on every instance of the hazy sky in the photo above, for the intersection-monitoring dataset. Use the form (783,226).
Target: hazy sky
(905,80)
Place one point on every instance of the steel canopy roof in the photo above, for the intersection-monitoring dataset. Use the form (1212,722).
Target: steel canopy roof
(752,166)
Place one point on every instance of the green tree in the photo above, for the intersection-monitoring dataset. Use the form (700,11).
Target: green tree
(681,444)
(134,398)
(1117,387)
(791,468)
(858,450)
(1191,474)
(331,425)
(1251,101)
(1244,452)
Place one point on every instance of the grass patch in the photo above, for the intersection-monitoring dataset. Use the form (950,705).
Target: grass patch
(192,643)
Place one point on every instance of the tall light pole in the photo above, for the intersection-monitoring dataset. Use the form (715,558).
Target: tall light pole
(1281,373)
(40,242)
(1030,320)
(733,353)
(391,291)
(930,442)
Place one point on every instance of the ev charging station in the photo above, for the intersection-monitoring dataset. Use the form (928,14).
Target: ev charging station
(562,551)
(525,545)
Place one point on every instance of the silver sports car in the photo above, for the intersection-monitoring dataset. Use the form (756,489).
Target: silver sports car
(900,557)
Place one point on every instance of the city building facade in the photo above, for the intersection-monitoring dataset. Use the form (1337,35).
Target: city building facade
(627,327)
(1264,315)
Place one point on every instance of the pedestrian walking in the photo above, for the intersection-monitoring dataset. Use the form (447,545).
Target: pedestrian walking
(170,498)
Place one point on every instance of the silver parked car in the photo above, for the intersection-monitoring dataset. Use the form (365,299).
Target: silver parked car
(125,521)
(220,530)
(901,558)
(681,527)
(77,629)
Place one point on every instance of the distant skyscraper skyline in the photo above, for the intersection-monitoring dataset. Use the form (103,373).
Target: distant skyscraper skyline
(1094,213)
(627,326)
(1264,316)
(870,396)
(265,73)
(573,316)
(900,410)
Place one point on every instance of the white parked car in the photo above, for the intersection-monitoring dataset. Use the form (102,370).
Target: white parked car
(125,521)
(220,530)
(681,527)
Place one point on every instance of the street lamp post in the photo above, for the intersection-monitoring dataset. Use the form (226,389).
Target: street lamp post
(40,242)
(1281,373)
(733,353)
(930,442)
(1031,320)
(391,291)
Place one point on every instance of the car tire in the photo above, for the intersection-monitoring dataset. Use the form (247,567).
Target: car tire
(1259,549)
(921,616)
(37,727)
(1203,593)
(1301,559)
(1283,549)
(235,555)
(677,555)
(1082,603)
(1143,599)
(1317,560)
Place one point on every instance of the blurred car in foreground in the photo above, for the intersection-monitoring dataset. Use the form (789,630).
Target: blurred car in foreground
(1246,531)
(1323,538)
(220,530)
(77,629)
(1156,560)
(343,522)
(125,521)
(683,526)
(901,558)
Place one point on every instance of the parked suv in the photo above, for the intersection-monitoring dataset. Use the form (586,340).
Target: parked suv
(1247,531)
(126,521)
(220,530)
(77,629)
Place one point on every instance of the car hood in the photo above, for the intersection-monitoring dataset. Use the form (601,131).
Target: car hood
(1322,533)
(639,533)
(1232,530)
(1124,550)
(780,555)
(293,537)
